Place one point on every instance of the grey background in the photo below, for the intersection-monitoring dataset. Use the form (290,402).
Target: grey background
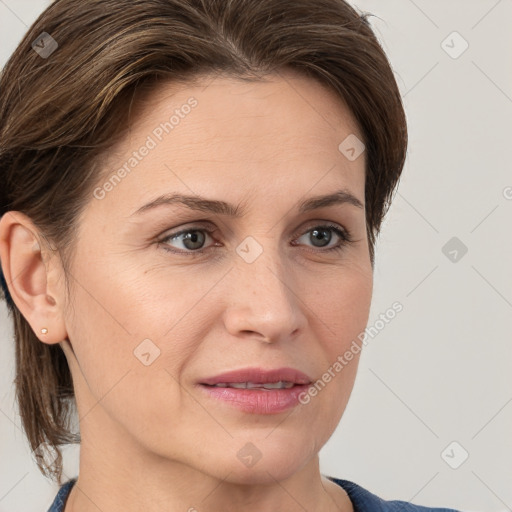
(440,371)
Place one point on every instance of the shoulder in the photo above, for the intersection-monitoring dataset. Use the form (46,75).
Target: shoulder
(365,501)
(62,495)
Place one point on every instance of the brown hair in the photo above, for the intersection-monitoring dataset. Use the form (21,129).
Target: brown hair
(59,112)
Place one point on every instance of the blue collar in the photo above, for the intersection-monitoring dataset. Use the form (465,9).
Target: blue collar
(362,500)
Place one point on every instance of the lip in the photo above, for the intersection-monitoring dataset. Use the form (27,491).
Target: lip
(257,401)
(260,376)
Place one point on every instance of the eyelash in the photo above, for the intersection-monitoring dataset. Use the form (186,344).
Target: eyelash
(344,234)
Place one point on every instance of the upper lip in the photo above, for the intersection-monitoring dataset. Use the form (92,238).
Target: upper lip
(259,376)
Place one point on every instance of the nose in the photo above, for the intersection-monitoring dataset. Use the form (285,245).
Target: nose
(263,300)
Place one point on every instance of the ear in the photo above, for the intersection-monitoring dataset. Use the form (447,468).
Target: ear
(34,276)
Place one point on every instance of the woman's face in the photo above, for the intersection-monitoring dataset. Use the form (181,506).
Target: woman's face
(156,313)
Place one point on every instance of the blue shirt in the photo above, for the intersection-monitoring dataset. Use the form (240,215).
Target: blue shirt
(362,500)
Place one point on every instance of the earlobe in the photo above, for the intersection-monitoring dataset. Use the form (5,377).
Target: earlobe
(27,276)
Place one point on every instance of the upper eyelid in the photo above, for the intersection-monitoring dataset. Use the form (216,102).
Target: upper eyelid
(211,228)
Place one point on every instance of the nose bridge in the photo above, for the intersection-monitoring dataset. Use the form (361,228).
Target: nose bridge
(260,267)
(263,294)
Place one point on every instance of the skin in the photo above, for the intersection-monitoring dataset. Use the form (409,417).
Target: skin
(150,439)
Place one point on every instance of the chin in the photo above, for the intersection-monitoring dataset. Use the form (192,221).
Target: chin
(261,473)
(263,460)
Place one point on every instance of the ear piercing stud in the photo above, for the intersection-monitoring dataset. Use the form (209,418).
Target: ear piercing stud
(44,330)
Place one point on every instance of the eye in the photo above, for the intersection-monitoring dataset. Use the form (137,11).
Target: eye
(192,239)
(321,236)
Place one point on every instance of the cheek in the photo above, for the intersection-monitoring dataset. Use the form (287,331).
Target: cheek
(126,377)
(342,301)
(125,305)
(341,313)
(132,335)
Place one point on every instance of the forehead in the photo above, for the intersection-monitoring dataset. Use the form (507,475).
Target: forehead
(282,132)
(270,102)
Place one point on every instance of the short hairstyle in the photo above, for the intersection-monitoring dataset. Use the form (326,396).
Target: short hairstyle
(59,113)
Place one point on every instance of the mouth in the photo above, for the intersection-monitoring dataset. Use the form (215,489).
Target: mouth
(258,390)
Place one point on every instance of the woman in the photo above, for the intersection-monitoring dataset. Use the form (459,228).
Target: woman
(191,195)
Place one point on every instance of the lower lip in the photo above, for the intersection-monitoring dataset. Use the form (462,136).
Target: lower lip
(258,401)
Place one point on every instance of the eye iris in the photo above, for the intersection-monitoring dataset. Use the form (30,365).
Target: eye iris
(322,235)
(192,236)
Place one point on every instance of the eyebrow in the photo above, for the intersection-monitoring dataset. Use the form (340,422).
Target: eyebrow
(222,208)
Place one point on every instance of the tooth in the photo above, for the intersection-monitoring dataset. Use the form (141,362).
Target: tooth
(278,385)
(256,385)
(238,385)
